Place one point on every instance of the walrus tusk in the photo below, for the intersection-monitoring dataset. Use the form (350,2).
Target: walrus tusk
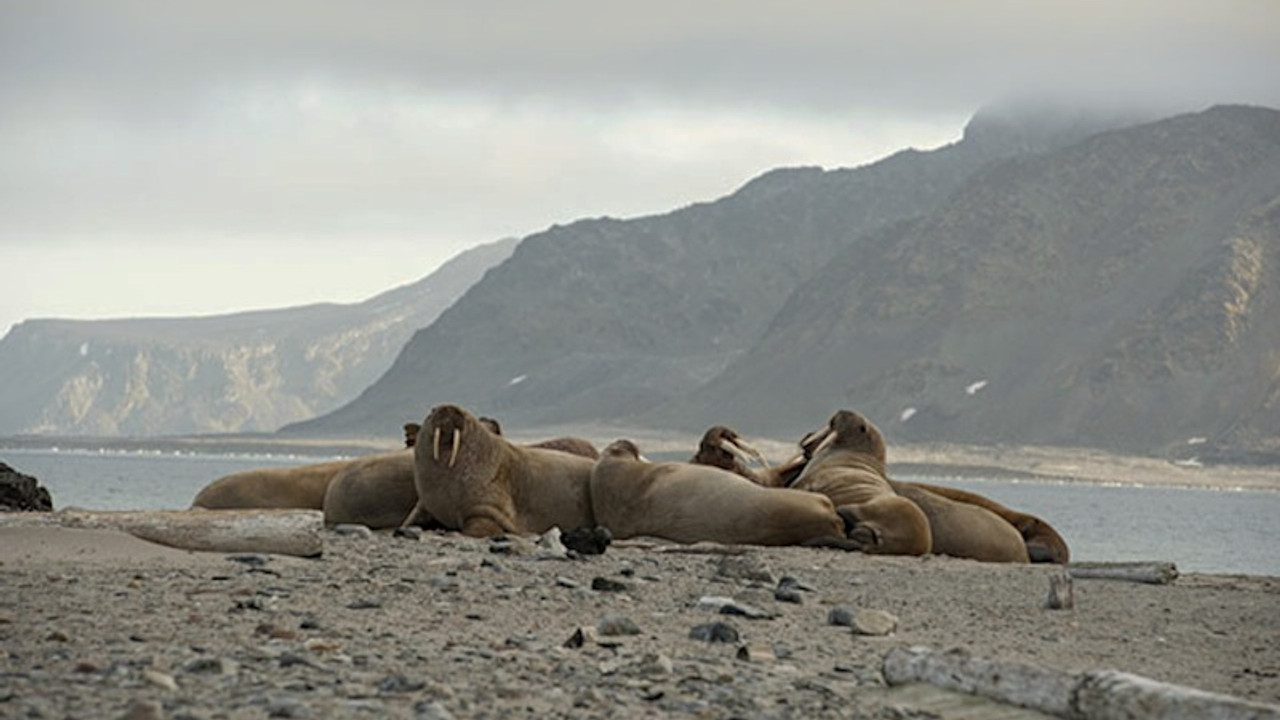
(453,452)
(749,449)
(735,450)
(828,437)
(435,445)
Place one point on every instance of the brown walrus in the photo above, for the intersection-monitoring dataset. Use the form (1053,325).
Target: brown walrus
(569,444)
(471,479)
(301,486)
(847,465)
(724,448)
(376,491)
(689,503)
(1042,541)
(962,523)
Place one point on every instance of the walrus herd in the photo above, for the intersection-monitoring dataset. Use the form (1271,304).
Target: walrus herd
(458,472)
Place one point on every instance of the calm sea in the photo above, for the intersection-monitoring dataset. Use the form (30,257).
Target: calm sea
(1220,531)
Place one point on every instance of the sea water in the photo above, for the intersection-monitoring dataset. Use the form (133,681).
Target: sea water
(1201,530)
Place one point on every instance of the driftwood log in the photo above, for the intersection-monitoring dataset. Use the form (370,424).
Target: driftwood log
(1155,573)
(1093,695)
(280,532)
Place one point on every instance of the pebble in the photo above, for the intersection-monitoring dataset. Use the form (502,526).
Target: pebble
(365,604)
(743,567)
(400,684)
(353,530)
(550,546)
(287,708)
(431,710)
(409,532)
(587,541)
(604,584)
(754,654)
(159,679)
(788,595)
(1061,594)
(565,582)
(750,612)
(614,625)
(841,615)
(652,665)
(144,710)
(874,622)
(512,545)
(211,665)
(715,632)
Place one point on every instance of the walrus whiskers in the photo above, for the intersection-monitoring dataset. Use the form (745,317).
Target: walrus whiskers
(457,440)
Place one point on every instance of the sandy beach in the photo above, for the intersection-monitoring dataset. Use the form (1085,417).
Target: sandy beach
(101,624)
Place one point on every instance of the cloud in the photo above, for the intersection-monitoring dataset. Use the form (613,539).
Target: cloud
(457,123)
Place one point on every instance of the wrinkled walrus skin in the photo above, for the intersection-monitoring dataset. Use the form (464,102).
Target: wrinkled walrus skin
(301,487)
(689,503)
(470,479)
(848,467)
(376,491)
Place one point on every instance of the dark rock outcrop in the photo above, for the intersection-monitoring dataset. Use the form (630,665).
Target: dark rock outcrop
(20,492)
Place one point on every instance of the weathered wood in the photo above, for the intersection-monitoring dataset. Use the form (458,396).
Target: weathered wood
(1015,683)
(1093,695)
(1061,594)
(281,532)
(1155,573)
(1114,695)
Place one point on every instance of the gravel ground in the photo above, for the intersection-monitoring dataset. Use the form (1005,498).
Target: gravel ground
(99,624)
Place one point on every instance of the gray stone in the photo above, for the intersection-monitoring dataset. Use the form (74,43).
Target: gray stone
(715,632)
(144,710)
(874,622)
(614,625)
(743,567)
(353,530)
(603,584)
(408,532)
(431,710)
(749,612)
(841,615)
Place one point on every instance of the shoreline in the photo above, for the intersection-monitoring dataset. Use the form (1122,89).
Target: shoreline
(442,625)
(940,460)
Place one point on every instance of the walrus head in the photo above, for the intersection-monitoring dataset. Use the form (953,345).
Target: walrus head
(411,434)
(622,449)
(724,448)
(452,437)
(848,431)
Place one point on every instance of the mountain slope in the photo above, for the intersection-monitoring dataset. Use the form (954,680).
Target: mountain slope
(249,371)
(1121,293)
(605,318)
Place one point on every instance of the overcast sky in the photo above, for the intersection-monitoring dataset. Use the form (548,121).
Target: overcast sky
(176,158)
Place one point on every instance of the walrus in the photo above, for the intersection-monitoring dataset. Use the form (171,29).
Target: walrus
(688,503)
(724,448)
(847,465)
(301,486)
(569,444)
(471,479)
(1042,542)
(376,490)
(411,434)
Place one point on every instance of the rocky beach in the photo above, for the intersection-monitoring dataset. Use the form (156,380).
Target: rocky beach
(97,623)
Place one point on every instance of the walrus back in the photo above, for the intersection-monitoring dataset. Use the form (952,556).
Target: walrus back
(694,503)
(377,491)
(301,487)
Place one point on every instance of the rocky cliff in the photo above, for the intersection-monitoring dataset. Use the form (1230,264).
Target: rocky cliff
(605,319)
(245,372)
(1123,293)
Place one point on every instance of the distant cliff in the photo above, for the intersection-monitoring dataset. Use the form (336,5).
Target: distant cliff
(251,371)
(609,319)
(1123,293)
